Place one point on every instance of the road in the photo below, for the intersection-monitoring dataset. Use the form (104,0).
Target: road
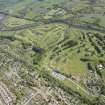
(29,99)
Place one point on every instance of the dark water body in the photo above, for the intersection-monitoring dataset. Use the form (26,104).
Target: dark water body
(1,16)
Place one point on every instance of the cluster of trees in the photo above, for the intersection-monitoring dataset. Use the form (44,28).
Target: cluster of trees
(11,38)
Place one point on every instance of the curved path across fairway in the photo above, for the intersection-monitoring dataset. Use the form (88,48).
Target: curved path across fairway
(74,83)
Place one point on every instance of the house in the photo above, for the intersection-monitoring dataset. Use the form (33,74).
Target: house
(100,66)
